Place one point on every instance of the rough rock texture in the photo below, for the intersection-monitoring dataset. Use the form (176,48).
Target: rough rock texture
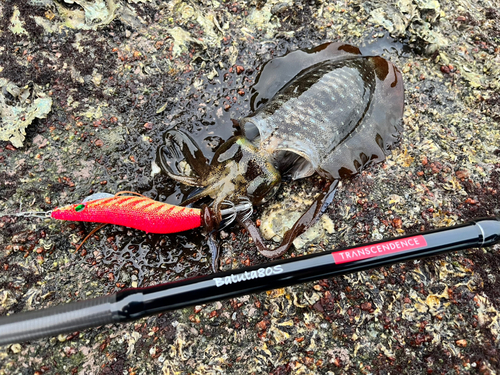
(120,73)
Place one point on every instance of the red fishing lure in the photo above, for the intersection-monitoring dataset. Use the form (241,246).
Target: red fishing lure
(137,212)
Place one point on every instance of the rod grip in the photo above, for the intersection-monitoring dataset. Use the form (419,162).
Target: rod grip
(67,318)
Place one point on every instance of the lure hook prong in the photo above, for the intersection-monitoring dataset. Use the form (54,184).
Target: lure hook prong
(228,214)
(245,208)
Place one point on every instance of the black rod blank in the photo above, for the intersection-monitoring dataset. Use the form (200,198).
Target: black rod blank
(132,304)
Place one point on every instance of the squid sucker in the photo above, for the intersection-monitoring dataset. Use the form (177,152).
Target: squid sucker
(329,110)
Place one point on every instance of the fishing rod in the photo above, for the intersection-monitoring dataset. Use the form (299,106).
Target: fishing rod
(132,304)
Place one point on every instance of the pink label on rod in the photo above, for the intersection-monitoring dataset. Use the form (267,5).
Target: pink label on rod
(375,250)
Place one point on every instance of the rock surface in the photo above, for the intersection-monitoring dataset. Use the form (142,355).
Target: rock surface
(119,73)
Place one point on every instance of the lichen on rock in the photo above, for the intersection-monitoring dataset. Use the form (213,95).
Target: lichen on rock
(15,118)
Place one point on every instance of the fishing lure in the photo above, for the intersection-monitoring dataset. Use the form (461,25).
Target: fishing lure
(139,212)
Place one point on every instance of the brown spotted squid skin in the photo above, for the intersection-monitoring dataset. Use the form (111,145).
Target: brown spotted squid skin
(337,115)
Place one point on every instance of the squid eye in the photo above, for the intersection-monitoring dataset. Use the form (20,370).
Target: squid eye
(79,208)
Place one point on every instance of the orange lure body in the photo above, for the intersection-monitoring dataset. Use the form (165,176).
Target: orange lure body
(137,212)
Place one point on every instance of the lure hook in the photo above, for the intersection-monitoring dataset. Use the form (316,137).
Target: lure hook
(245,208)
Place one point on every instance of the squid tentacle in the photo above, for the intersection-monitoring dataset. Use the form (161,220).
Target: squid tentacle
(307,220)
